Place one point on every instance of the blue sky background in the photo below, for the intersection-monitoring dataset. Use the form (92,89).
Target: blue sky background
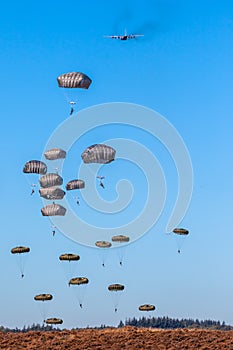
(182,68)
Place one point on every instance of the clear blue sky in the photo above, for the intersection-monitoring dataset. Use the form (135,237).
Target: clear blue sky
(183,69)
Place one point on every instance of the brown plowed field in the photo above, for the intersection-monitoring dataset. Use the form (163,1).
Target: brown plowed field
(130,338)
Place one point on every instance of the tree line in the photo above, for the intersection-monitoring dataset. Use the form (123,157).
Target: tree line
(147,322)
(172,323)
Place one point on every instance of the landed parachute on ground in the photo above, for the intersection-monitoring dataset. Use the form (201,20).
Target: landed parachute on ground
(55,153)
(74,80)
(53,210)
(99,153)
(43,297)
(52,193)
(69,257)
(35,167)
(146,307)
(75,185)
(51,180)
(181,231)
(54,320)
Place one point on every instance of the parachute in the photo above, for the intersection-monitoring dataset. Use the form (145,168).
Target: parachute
(180,234)
(74,80)
(35,167)
(43,297)
(50,180)
(43,306)
(69,257)
(98,153)
(146,307)
(21,259)
(55,153)
(115,289)
(75,185)
(53,210)
(52,193)
(78,281)
(181,231)
(121,239)
(103,244)
(69,264)
(81,282)
(20,250)
(54,320)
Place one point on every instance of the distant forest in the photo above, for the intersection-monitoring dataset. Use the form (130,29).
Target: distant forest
(171,323)
(147,322)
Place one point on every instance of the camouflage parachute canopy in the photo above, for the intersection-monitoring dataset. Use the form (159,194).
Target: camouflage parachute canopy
(103,244)
(78,280)
(53,210)
(55,153)
(99,153)
(181,231)
(43,297)
(20,250)
(75,185)
(50,180)
(74,80)
(120,238)
(35,167)
(116,287)
(52,193)
(69,257)
(54,320)
(146,307)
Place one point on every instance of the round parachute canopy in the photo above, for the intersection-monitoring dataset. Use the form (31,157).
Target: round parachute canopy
(69,257)
(181,231)
(50,180)
(75,185)
(55,153)
(53,210)
(74,80)
(52,193)
(20,250)
(35,167)
(43,297)
(103,244)
(120,238)
(146,307)
(99,153)
(78,280)
(54,321)
(116,287)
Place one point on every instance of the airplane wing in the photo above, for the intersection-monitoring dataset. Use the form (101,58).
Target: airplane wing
(136,35)
(112,36)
